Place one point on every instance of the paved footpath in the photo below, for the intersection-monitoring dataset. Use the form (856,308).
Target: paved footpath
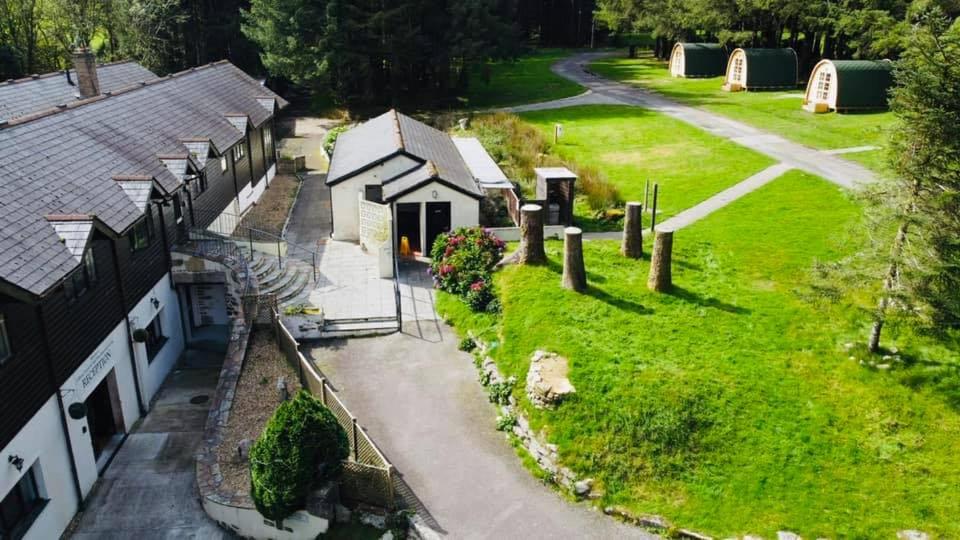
(419,398)
(835,169)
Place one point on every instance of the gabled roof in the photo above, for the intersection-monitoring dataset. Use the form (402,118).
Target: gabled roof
(63,161)
(74,231)
(391,134)
(32,94)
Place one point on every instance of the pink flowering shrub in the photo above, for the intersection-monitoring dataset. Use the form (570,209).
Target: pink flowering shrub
(463,261)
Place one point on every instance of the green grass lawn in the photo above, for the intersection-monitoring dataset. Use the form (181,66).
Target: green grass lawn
(730,406)
(776,111)
(632,145)
(525,80)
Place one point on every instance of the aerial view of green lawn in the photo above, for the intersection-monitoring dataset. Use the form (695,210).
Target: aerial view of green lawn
(631,145)
(777,111)
(527,79)
(732,405)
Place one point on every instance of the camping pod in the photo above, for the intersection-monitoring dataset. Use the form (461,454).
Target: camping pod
(761,69)
(697,60)
(848,85)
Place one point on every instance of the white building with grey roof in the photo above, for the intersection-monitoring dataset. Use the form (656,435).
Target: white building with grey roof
(431,182)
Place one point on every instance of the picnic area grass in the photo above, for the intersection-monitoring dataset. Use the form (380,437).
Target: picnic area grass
(527,79)
(731,406)
(779,112)
(631,145)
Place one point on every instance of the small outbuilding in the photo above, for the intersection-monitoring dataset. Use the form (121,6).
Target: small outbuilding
(761,69)
(848,85)
(697,60)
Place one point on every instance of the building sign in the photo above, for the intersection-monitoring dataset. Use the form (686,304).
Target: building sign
(101,359)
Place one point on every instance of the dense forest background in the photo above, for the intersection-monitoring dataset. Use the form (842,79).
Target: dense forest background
(379,51)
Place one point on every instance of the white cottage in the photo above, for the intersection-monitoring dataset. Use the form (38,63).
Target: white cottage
(416,171)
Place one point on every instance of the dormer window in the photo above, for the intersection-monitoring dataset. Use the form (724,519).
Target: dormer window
(83,278)
(5,351)
(197,183)
(142,232)
(239,151)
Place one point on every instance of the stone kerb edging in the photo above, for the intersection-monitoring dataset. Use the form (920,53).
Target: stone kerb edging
(547,456)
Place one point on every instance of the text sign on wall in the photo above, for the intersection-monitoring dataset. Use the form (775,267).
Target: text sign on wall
(101,360)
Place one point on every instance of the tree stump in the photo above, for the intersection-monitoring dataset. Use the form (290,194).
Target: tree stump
(574,274)
(531,235)
(661,277)
(632,231)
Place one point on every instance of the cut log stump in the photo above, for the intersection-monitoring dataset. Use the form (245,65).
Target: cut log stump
(531,235)
(574,274)
(632,245)
(661,277)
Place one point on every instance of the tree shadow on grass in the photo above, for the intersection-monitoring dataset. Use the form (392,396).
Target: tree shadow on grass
(700,300)
(618,302)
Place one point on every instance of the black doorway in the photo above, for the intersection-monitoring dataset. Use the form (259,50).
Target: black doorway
(408,224)
(438,221)
(101,416)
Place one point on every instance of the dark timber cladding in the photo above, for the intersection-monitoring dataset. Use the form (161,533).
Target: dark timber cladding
(703,59)
(863,84)
(111,163)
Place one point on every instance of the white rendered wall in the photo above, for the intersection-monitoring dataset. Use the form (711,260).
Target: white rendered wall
(344,196)
(42,440)
(464,210)
(113,353)
(153,373)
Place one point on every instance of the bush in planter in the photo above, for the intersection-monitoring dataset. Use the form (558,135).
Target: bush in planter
(302,443)
(462,263)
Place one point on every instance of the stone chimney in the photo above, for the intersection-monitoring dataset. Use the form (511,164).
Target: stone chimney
(85,66)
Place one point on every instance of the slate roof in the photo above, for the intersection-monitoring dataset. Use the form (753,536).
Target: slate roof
(31,94)
(65,161)
(703,59)
(393,133)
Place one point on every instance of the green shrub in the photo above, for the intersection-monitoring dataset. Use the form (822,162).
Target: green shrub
(506,422)
(467,344)
(330,139)
(302,443)
(515,145)
(462,263)
(500,391)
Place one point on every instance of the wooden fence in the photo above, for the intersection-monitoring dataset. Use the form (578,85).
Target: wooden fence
(367,475)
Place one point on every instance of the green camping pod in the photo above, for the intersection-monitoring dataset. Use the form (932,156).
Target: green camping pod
(848,85)
(697,60)
(761,69)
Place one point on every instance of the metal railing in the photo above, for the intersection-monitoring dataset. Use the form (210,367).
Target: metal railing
(234,227)
(396,290)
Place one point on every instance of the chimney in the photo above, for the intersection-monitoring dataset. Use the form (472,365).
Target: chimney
(85,64)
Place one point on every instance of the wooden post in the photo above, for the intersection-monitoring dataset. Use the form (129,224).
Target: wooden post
(646,195)
(531,235)
(574,274)
(661,277)
(632,245)
(653,214)
(356,449)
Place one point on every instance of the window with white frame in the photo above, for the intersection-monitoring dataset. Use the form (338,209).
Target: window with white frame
(6,352)
(239,151)
(22,504)
(155,338)
(823,85)
(223,163)
(738,69)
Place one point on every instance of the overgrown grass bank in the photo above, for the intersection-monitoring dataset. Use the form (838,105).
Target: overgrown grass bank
(630,145)
(525,80)
(778,112)
(731,406)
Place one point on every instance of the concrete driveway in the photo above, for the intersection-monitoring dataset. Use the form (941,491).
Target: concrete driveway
(419,398)
(149,492)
